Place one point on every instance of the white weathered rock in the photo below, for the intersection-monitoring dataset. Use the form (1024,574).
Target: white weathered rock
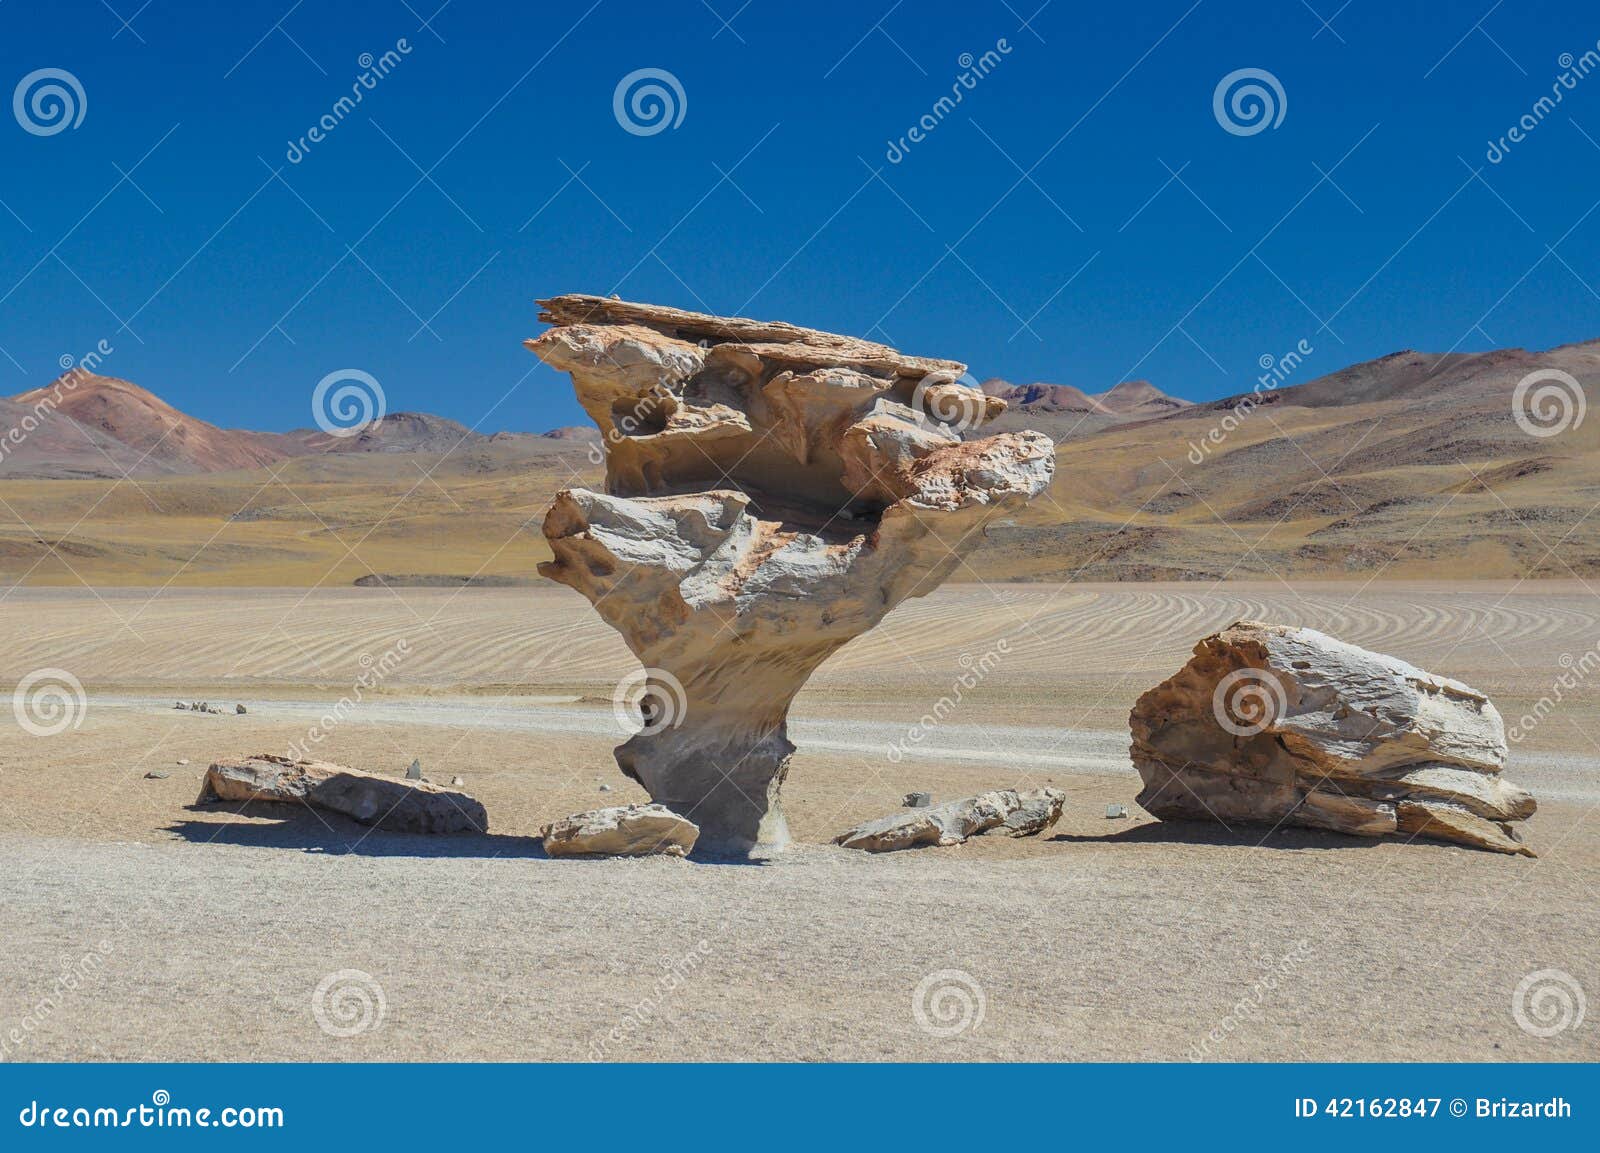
(770,495)
(1273,724)
(400,806)
(624,831)
(1018,814)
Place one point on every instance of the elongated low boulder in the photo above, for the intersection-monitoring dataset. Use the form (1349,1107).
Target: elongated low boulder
(772,492)
(1005,810)
(1271,724)
(389,803)
(623,831)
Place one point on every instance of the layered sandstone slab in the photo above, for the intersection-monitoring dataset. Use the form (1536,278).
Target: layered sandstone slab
(622,831)
(1278,725)
(401,806)
(1023,814)
(771,493)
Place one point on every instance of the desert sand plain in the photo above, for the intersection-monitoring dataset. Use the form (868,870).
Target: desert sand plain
(212,926)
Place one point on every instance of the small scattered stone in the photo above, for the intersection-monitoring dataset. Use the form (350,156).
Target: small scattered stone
(183,760)
(181,705)
(414,773)
(629,831)
(917,800)
(240,710)
(1115,812)
(155,775)
(457,782)
(1024,814)
(605,788)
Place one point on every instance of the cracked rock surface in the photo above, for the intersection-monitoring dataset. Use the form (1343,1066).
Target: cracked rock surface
(1273,724)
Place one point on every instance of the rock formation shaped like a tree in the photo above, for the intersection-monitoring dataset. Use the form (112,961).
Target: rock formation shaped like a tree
(1277,725)
(771,493)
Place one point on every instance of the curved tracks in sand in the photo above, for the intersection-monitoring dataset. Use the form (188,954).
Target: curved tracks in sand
(1044,635)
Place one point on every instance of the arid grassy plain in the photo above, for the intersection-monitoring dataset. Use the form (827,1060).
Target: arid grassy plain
(204,931)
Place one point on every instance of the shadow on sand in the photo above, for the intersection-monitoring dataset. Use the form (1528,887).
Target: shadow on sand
(312,831)
(286,826)
(1207,833)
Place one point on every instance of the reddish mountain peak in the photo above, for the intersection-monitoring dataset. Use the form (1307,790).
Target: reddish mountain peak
(171,440)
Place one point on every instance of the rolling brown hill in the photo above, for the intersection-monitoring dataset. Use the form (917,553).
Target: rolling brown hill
(161,439)
(1411,465)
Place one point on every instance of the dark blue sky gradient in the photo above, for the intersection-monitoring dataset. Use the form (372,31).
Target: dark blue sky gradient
(233,279)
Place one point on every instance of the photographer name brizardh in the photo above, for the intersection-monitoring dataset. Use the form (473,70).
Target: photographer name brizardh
(1425,1107)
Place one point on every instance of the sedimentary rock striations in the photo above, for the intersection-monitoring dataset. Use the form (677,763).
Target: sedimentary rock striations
(771,492)
(1274,724)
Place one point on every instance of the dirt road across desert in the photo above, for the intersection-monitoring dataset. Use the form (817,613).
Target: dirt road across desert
(206,933)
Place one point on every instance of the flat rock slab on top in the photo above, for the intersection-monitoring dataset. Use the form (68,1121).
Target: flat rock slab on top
(398,806)
(622,831)
(1018,814)
(1272,724)
(771,493)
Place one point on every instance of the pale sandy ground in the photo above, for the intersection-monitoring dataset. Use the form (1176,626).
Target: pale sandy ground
(1101,940)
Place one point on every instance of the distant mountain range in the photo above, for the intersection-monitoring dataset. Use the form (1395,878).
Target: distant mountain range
(101,426)
(1411,465)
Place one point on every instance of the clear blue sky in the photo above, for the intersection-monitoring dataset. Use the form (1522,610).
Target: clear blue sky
(233,280)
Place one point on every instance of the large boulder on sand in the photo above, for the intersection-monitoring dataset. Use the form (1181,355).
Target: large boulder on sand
(1016,814)
(623,831)
(1278,725)
(398,806)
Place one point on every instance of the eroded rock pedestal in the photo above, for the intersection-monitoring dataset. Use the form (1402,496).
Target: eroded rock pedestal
(771,493)
(1272,724)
